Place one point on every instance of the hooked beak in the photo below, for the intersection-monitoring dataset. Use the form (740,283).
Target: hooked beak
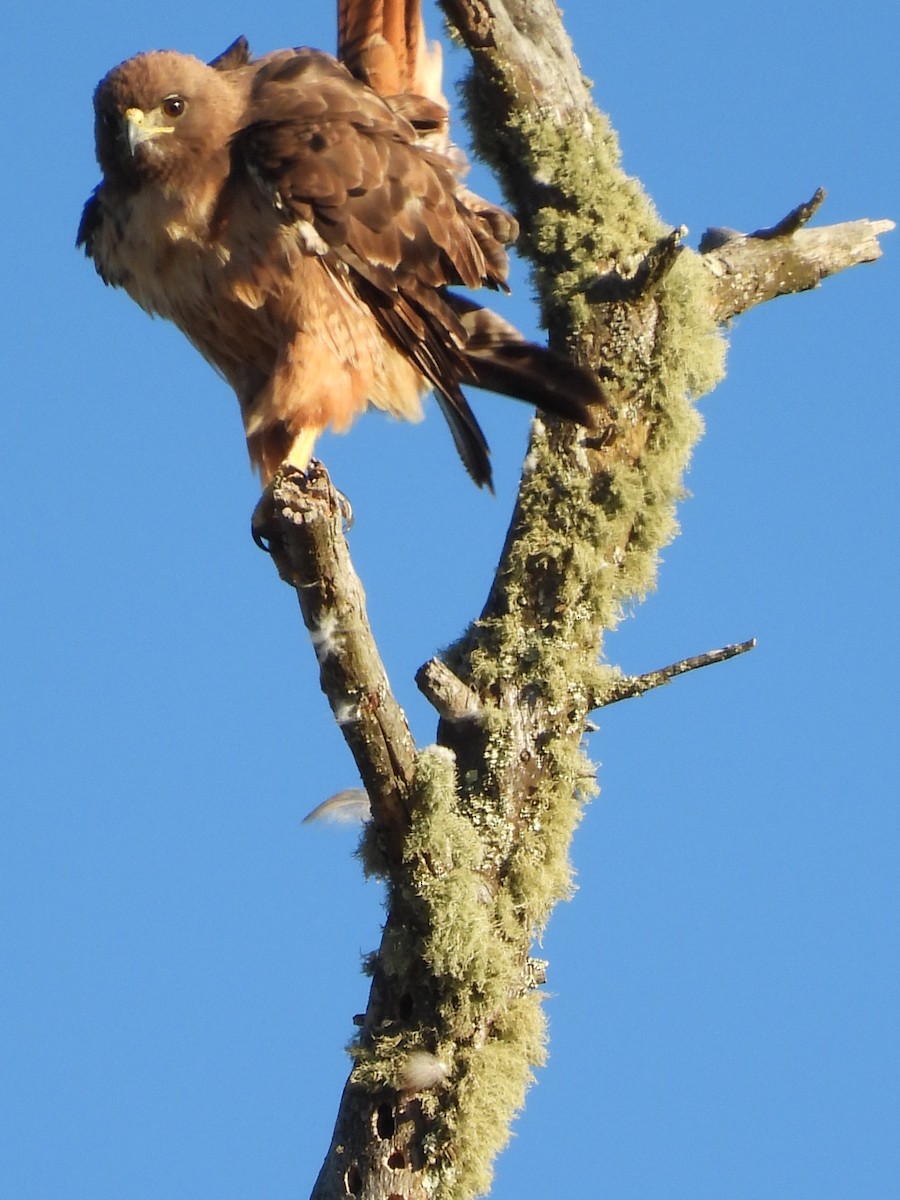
(142,127)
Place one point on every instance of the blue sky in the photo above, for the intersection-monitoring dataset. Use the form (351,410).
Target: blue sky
(182,956)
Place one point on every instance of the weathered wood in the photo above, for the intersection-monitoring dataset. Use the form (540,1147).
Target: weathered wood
(625,687)
(749,269)
(302,518)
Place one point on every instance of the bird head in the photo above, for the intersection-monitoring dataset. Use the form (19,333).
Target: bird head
(159,114)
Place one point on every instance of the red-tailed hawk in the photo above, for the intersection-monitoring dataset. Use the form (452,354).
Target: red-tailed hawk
(302,229)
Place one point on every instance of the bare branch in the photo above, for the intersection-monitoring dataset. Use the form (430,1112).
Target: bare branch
(302,518)
(626,686)
(453,1025)
(748,269)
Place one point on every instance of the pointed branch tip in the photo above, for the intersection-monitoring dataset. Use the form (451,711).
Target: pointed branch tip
(636,685)
(795,219)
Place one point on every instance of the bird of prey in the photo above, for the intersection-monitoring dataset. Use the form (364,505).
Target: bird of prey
(301,220)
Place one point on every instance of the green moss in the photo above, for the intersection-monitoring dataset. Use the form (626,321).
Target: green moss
(474,964)
(491,1082)
(485,1026)
(593,544)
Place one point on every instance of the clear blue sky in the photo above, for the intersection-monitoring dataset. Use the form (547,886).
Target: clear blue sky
(180,956)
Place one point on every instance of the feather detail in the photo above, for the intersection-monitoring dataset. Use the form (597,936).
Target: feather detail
(350,806)
(383,44)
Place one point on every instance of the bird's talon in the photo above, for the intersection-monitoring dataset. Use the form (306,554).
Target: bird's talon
(289,470)
(263,528)
(346,509)
(259,538)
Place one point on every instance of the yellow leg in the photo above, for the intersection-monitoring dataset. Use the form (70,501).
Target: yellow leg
(302,447)
(264,525)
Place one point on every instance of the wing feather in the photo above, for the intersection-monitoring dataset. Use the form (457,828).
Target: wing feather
(233,56)
(330,153)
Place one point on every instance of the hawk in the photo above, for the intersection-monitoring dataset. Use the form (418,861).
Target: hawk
(303,223)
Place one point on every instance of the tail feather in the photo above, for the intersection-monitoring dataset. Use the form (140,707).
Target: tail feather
(502,360)
(383,43)
(470,442)
(499,359)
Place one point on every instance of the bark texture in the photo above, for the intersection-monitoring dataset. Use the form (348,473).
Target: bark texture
(471,834)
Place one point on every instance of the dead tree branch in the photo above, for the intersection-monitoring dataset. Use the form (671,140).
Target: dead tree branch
(302,518)
(472,835)
(750,268)
(624,687)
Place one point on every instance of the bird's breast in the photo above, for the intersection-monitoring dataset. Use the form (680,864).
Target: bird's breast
(280,319)
(158,248)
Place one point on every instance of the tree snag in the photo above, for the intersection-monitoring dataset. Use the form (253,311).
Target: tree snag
(471,834)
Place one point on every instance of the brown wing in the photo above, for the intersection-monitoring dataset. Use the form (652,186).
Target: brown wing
(330,152)
(233,56)
(336,159)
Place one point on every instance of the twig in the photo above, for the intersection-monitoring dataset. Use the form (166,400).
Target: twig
(636,685)
(795,219)
(613,287)
(659,260)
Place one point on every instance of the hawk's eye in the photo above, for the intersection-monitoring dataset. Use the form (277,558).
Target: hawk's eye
(173,106)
